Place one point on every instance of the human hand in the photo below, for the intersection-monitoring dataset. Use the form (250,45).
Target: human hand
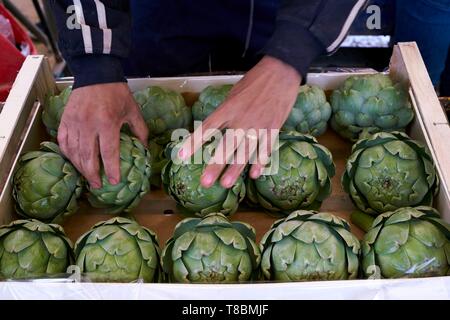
(262,99)
(90,127)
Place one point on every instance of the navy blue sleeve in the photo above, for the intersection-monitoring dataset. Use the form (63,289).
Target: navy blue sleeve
(94,36)
(306,29)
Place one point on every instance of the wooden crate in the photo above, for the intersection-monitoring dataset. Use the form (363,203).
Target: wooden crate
(21,130)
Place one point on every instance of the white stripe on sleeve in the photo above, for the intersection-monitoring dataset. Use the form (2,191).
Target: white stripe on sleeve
(85,29)
(347,25)
(107,33)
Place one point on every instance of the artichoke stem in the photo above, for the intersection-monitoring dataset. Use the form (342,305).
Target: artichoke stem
(362,220)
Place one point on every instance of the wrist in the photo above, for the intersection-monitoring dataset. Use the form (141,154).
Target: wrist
(285,71)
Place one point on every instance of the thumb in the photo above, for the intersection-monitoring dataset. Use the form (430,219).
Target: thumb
(137,124)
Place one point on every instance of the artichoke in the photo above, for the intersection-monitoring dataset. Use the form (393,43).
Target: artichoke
(157,161)
(211,250)
(389,171)
(119,250)
(163,110)
(182,182)
(408,242)
(310,113)
(309,246)
(135,179)
(53,110)
(303,180)
(210,98)
(370,102)
(31,249)
(46,185)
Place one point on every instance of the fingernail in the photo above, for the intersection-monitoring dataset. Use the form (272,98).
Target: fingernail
(255,173)
(207,180)
(227,182)
(95,185)
(113,181)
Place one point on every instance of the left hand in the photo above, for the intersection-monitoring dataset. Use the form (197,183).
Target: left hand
(262,99)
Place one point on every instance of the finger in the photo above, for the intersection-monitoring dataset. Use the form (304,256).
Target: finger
(223,155)
(211,174)
(89,156)
(110,154)
(137,124)
(267,140)
(244,153)
(209,128)
(217,163)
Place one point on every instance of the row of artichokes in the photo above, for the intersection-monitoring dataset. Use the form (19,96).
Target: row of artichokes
(363,103)
(304,246)
(367,103)
(46,186)
(385,172)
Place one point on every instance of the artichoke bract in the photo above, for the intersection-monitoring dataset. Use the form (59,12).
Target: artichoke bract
(211,250)
(303,179)
(163,110)
(388,171)
(408,242)
(210,98)
(53,110)
(119,250)
(309,246)
(310,113)
(182,182)
(46,185)
(32,249)
(157,161)
(135,170)
(372,102)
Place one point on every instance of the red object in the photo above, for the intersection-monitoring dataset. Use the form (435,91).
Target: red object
(11,58)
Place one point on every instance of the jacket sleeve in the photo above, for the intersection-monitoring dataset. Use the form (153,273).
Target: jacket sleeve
(94,36)
(306,29)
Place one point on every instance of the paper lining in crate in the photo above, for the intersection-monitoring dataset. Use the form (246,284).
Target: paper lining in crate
(21,130)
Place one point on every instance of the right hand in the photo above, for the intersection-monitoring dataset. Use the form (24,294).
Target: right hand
(90,127)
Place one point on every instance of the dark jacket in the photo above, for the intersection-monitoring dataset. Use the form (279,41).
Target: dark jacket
(95,36)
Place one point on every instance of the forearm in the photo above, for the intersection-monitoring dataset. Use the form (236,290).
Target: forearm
(94,36)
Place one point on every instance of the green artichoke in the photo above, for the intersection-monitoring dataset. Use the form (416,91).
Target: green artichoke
(157,160)
(46,185)
(310,113)
(303,180)
(163,110)
(119,250)
(32,249)
(309,246)
(389,171)
(370,102)
(135,179)
(408,242)
(182,182)
(210,98)
(211,250)
(53,110)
